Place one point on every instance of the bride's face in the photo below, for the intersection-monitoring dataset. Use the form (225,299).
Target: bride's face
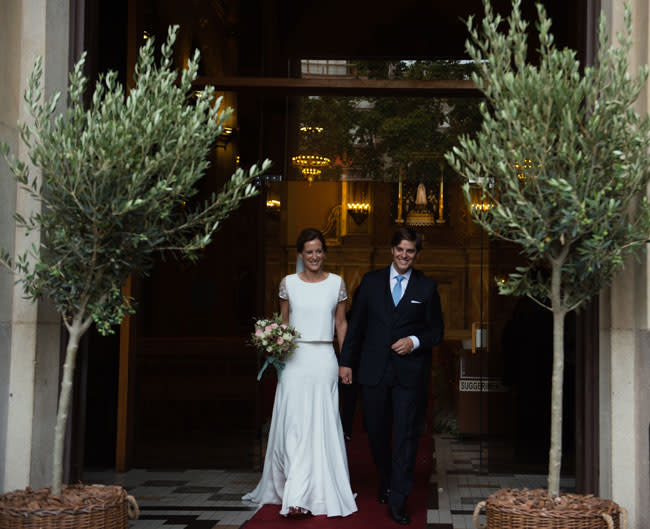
(313,255)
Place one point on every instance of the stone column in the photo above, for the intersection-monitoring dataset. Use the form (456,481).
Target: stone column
(29,332)
(625,341)
(9,103)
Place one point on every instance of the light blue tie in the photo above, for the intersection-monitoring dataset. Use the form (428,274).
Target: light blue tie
(397,290)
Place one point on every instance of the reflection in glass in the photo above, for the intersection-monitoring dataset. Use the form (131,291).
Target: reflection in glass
(404,69)
(379,138)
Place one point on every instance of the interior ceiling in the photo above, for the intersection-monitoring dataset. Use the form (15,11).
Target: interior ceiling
(269,36)
(389,29)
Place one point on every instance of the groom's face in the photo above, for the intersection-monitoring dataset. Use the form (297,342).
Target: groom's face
(403,255)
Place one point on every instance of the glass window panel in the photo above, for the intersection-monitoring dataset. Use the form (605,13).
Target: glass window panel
(404,69)
(375,138)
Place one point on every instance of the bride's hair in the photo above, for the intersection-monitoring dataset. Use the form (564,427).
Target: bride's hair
(310,234)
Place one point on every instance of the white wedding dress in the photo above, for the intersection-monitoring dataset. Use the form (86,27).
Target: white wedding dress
(306,465)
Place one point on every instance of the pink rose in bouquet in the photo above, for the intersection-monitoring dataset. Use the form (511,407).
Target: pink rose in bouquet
(274,339)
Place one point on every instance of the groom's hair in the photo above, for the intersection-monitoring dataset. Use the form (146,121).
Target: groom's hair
(310,234)
(407,234)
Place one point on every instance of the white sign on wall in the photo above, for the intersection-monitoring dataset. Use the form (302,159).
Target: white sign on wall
(493,385)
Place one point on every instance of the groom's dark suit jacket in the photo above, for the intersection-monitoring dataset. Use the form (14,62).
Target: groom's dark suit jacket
(376,324)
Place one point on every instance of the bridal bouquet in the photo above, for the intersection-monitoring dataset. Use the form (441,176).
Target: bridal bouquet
(274,339)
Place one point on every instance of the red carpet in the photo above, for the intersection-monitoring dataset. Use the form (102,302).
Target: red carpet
(371,514)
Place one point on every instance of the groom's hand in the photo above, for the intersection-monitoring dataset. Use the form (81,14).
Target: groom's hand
(403,346)
(345,373)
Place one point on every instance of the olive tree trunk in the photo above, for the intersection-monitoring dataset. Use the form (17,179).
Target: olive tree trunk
(76,330)
(559,312)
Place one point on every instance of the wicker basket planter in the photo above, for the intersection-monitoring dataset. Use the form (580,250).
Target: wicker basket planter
(78,507)
(528,509)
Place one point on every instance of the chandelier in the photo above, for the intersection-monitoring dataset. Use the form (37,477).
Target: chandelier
(310,165)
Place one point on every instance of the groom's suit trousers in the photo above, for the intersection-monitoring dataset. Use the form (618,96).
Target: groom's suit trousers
(391,408)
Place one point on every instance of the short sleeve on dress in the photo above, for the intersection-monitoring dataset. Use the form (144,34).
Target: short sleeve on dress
(283,294)
(343,292)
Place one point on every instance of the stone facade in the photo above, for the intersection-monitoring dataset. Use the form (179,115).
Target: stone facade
(29,332)
(625,342)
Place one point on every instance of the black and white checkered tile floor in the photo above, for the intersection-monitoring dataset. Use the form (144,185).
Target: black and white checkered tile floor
(211,499)
(458,485)
(185,499)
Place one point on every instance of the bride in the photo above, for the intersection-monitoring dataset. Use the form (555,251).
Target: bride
(306,468)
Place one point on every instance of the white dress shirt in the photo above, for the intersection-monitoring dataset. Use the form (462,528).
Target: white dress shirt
(405,282)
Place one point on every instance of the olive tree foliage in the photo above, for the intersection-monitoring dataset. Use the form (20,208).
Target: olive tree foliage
(117,186)
(577,208)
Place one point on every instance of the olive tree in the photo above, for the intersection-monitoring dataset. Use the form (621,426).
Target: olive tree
(561,160)
(117,186)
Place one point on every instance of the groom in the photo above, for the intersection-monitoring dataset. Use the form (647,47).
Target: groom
(396,320)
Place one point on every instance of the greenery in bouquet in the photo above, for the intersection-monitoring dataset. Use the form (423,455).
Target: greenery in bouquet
(274,339)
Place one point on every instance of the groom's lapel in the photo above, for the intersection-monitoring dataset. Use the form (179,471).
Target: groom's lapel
(388,297)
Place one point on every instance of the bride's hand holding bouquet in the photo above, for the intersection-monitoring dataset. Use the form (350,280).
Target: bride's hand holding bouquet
(274,339)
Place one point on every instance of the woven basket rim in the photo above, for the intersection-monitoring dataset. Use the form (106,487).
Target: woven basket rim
(81,509)
(549,513)
(52,512)
(606,506)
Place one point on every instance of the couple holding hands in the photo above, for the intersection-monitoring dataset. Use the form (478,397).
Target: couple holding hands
(396,320)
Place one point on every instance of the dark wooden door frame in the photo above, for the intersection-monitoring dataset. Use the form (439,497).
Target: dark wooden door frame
(587,344)
(587,409)
(75,430)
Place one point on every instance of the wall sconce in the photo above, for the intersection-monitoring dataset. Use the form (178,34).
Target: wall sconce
(225,137)
(479,200)
(359,211)
(306,129)
(273,206)
(481,206)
